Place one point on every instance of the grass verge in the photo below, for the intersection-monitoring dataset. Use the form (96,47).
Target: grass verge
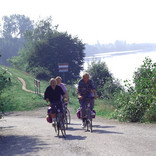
(16,99)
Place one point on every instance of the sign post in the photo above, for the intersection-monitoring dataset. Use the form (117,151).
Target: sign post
(63,67)
(37,86)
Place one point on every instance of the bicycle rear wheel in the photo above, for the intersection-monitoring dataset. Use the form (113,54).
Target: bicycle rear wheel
(66,121)
(90,125)
(58,129)
(55,127)
(68,116)
(63,129)
(89,121)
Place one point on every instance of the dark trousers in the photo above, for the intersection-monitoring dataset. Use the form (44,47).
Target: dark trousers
(55,106)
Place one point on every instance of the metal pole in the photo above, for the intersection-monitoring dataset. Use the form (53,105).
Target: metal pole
(64,78)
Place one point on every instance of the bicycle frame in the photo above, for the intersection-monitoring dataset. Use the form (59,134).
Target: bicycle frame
(66,112)
(88,116)
(59,123)
(59,126)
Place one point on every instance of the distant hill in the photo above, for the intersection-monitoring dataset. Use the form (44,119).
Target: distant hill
(118,46)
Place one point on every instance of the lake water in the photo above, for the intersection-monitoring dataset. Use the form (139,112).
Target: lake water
(123,65)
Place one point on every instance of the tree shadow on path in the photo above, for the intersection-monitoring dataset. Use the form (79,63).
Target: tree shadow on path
(20,145)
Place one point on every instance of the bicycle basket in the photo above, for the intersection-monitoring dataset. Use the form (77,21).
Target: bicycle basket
(49,119)
(49,115)
(93,116)
(78,114)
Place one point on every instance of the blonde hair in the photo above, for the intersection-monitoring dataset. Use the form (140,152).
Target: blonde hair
(58,77)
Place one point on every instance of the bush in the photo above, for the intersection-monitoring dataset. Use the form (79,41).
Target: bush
(41,73)
(138,102)
(103,79)
(3,85)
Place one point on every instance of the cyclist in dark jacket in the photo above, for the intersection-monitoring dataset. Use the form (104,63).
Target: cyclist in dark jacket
(86,89)
(53,94)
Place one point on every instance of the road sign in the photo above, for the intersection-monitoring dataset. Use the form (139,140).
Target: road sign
(63,67)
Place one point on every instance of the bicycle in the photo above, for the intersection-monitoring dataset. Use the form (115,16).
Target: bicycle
(59,124)
(66,112)
(88,116)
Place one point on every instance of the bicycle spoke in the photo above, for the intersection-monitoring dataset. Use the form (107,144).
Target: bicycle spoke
(58,129)
(91,130)
(66,122)
(63,130)
(68,116)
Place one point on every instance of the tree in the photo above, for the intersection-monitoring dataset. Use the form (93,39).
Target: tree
(58,48)
(46,47)
(12,33)
(3,84)
(16,25)
(103,79)
(137,103)
(145,87)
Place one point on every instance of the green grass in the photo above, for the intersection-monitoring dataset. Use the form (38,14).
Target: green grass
(29,79)
(17,99)
(103,108)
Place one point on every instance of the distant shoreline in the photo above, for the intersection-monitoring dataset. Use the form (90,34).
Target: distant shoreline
(117,53)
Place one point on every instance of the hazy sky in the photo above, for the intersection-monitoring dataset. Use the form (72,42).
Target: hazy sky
(93,20)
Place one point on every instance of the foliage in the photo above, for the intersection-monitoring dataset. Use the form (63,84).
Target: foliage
(46,47)
(16,25)
(138,102)
(29,101)
(103,79)
(16,99)
(20,61)
(9,48)
(13,30)
(3,85)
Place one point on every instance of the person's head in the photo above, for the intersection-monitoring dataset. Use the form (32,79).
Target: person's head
(52,82)
(85,77)
(58,80)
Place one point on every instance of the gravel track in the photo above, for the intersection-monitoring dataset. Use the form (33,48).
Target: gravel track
(28,134)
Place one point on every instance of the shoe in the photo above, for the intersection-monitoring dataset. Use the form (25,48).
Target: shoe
(83,125)
(53,122)
(92,113)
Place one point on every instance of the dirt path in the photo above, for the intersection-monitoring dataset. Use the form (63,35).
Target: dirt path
(24,85)
(28,133)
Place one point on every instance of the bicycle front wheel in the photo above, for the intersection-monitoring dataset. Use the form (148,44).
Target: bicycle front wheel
(63,129)
(90,125)
(58,128)
(68,116)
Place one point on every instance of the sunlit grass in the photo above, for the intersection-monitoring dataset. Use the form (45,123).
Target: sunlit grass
(17,99)
(103,108)
(20,100)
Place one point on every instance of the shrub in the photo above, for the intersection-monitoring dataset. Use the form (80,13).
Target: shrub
(103,79)
(138,102)
(3,85)
(41,73)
